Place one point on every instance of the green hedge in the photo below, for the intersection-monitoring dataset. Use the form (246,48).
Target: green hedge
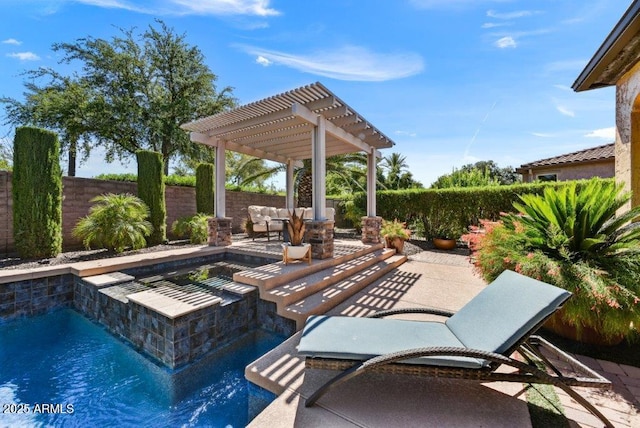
(151,191)
(204,188)
(37,193)
(452,208)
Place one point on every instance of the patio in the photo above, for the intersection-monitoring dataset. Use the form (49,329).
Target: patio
(430,278)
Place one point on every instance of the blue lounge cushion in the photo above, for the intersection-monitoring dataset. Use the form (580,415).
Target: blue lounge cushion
(359,339)
(505,311)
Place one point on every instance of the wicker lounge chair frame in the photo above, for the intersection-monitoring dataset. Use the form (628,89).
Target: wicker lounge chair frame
(528,371)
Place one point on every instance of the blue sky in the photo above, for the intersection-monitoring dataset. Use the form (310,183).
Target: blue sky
(450,81)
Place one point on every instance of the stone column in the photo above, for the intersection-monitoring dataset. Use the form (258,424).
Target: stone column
(371,230)
(219,231)
(319,233)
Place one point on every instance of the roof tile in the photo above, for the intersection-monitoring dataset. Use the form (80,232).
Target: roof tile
(593,154)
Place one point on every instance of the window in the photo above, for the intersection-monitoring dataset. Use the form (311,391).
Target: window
(547,177)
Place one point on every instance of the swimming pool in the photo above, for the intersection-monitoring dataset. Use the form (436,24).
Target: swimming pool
(86,377)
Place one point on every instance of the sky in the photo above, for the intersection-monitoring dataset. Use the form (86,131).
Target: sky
(452,82)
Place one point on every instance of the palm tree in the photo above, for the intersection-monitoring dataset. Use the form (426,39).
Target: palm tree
(396,166)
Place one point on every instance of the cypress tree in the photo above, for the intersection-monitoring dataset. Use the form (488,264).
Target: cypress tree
(204,188)
(37,193)
(151,191)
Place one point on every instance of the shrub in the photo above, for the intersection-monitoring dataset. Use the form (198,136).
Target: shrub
(196,227)
(457,208)
(204,188)
(37,193)
(574,239)
(115,222)
(151,191)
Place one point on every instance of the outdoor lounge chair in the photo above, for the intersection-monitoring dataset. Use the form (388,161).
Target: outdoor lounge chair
(471,344)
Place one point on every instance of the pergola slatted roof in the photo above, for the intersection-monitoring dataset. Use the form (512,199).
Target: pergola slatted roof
(279,127)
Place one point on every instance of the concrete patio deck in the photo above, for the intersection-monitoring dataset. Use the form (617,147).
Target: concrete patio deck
(436,279)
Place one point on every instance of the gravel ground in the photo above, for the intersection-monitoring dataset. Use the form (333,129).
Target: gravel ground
(411,247)
(81,256)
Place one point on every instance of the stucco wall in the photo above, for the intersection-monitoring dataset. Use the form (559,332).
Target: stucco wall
(78,192)
(627,90)
(604,169)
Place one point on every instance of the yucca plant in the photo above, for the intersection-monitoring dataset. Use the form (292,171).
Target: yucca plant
(196,227)
(577,241)
(115,222)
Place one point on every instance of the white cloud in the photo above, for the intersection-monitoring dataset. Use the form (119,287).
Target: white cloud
(488,25)
(542,135)
(24,56)
(353,63)
(506,42)
(263,61)
(565,111)
(450,4)
(228,7)
(11,42)
(190,7)
(603,133)
(406,133)
(563,88)
(511,15)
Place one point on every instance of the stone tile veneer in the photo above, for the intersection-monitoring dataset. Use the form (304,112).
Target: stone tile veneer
(371,230)
(35,296)
(177,341)
(220,231)
(319,233)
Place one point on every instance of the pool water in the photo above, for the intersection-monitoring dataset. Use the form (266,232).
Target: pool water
(209,278)
(89,378)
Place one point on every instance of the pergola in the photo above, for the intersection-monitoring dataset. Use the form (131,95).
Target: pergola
(309,122)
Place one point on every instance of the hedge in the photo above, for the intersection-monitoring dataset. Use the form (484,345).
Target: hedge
(458,208)
(151,191)
(204,188)
(37,193)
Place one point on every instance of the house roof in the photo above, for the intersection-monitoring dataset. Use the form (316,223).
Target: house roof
(279,128)
(593,154)
(619,52)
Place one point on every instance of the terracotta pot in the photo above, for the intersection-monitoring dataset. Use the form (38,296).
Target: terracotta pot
(398,244)
(444,244)
(587,335)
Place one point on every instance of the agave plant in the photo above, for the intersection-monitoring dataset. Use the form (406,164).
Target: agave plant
(580,241)
(115,222)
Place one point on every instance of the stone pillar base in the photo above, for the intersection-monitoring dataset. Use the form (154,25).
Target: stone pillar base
(219,231)
(371,230)
(319,233)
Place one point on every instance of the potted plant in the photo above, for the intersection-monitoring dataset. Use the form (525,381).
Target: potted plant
(395,233)
(445,235)
(296,249)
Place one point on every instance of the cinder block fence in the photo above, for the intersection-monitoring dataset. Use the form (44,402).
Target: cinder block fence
(78,192)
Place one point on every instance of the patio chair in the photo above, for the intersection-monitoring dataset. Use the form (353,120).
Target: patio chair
(470,344)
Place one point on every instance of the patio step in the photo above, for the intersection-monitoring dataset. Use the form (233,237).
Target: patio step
(275,275)
(294,291)
(331,296)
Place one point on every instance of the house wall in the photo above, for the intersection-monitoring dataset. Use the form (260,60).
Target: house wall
(78,192)
(627,149)
(604,169)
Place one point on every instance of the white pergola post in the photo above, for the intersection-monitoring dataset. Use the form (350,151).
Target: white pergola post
(371,182)
(220,204)
(289,201)
(319,169)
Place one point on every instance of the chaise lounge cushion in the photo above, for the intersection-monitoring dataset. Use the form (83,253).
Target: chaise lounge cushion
(505,311)
(501,315)
(359,339)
